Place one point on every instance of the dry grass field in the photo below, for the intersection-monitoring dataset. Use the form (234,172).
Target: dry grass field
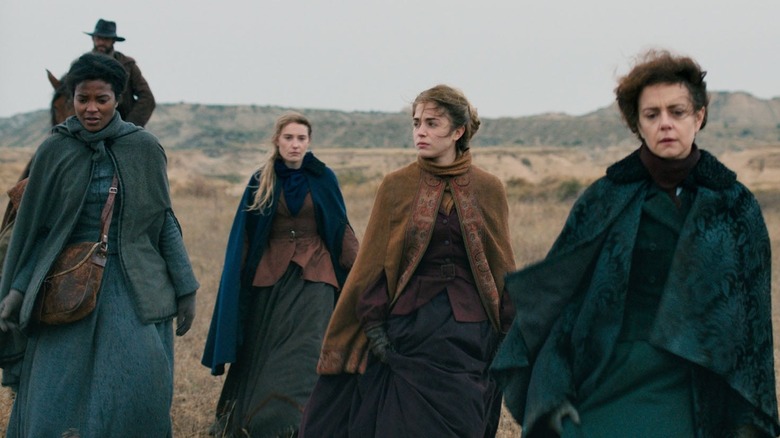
(541,183)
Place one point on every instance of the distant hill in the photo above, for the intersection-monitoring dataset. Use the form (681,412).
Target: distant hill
(736,121)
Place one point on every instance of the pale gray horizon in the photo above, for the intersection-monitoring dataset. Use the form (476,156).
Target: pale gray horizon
(510,57)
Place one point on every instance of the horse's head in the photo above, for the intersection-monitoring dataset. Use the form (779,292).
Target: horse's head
(61,103)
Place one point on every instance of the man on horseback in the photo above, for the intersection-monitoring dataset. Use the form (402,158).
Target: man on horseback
(137,102)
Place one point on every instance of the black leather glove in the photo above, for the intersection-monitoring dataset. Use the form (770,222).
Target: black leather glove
(378,342)
(185,313)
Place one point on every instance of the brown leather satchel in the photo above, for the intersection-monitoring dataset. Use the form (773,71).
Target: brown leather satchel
(69,292)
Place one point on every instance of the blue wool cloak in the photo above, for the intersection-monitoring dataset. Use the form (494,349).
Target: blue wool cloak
(225,333)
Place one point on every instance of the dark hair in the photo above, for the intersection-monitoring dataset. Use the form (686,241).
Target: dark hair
(458,109)
(660,67)
(94,66)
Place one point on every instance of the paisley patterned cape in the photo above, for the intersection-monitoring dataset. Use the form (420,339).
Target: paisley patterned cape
(715,310)
(397,235)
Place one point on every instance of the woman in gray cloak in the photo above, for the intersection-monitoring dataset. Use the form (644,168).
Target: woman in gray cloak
(109,374)
(651,315)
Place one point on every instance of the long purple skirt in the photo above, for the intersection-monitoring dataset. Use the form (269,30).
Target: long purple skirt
(435,384)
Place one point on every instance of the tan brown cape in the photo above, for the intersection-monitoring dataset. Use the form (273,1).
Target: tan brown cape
(397,235)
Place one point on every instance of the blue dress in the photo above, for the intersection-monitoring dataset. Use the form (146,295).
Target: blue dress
(109,374)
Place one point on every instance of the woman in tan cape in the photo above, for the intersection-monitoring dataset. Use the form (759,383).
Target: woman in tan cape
(424,296)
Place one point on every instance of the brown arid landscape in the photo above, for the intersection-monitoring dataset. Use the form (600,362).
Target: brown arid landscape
(542,183)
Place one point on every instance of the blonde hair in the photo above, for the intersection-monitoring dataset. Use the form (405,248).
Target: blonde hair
(264,196)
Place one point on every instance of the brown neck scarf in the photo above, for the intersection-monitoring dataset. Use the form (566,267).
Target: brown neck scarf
(460,166)
(669,174)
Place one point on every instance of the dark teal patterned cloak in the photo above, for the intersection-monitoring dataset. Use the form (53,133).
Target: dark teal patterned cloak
(715,311)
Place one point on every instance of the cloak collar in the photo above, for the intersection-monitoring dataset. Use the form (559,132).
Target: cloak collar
(708,172)
(116,128)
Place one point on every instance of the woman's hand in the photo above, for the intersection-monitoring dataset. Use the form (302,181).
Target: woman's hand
(564,410)
(9,310)
(378,342)
(185,313)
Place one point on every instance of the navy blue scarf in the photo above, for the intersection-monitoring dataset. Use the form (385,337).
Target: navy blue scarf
(294,183)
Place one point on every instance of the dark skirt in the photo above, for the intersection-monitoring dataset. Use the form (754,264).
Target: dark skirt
(645,392)
(268,385)
(435,384)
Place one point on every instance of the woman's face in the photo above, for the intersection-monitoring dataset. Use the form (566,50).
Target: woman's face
(433,135)
(95,104)
(293,142)
(667,120)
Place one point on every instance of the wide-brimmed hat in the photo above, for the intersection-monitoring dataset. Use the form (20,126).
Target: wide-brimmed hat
(105,29)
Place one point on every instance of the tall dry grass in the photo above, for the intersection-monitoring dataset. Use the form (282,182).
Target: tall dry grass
(205,204)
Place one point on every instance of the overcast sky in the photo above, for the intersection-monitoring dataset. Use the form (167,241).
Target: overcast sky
(510,57)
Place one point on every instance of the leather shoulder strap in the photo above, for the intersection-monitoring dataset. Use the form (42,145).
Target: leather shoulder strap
(108,213)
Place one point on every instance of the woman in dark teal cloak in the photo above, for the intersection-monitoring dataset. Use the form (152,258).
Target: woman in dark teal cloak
(651,315)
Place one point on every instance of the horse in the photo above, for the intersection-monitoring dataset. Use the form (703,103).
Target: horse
(61,102)
(61,109)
